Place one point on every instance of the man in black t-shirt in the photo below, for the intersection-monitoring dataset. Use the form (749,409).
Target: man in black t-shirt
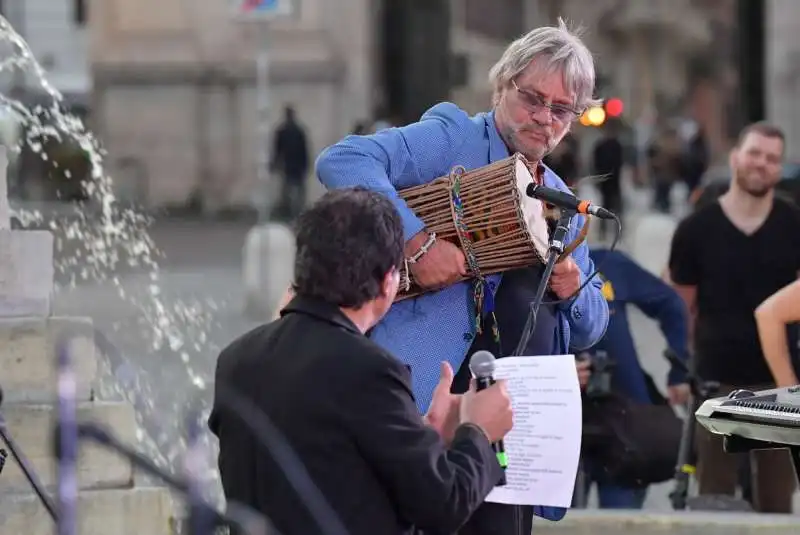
(726,258)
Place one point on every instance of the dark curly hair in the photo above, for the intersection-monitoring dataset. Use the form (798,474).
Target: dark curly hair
(346,243)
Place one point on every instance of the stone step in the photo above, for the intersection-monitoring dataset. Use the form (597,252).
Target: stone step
(138,511)
(28,357)
(31,426)
(617,522)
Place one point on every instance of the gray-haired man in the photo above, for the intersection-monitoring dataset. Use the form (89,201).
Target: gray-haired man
(542,83)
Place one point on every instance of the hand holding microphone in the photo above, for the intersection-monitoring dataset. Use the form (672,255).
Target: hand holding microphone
(488,405)
(489,409)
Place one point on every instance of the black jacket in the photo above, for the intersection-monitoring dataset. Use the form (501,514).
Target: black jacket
(345,406)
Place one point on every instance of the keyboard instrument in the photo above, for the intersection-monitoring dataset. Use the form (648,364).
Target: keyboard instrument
(771,416)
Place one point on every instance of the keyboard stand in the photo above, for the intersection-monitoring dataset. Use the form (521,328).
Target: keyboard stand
(736,444)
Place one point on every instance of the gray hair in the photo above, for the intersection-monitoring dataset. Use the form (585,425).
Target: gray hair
(563,51)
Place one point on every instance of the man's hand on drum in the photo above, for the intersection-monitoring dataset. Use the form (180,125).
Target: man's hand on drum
(566,278)
(441,266)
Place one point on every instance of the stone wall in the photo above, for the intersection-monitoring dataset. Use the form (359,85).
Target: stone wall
(175,98)
(170,134)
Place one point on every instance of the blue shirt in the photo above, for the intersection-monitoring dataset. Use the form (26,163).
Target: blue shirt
(625,282)
(438,326)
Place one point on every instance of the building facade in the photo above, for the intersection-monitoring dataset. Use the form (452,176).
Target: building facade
(58,37)
(175,87)
(175,92)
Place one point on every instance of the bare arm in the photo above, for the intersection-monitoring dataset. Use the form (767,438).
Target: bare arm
(684,271)
(689,296)
(772,316)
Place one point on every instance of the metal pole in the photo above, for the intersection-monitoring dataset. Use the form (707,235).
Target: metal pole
(263,128)
(5,208)
(8,268)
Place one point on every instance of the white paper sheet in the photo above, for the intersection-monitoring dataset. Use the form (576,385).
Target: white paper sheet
(544,446)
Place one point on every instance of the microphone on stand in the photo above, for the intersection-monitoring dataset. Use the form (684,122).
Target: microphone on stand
(481,364)
(567,201)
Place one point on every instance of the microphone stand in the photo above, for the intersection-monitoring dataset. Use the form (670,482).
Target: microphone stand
(27,470)
(204,517)
(701,391)
(556,249)
(201,521)
(67,443)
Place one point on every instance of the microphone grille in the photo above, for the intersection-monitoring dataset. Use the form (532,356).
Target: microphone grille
(481,364)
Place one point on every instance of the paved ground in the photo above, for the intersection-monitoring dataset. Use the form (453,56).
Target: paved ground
(162,339)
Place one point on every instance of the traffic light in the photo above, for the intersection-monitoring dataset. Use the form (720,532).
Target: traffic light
(594,116)
(597,115)
(614,107)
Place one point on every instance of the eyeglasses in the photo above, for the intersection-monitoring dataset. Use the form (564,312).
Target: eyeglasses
(534,102)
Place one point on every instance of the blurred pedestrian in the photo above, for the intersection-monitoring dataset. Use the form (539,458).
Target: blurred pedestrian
(696,159)
(665,163)
(726,259)
(608,157)
(290,158)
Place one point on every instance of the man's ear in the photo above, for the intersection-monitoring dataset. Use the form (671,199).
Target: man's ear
(390,283)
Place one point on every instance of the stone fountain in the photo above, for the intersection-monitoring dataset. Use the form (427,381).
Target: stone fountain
(110,502)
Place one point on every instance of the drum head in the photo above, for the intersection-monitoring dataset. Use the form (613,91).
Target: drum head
(532,212)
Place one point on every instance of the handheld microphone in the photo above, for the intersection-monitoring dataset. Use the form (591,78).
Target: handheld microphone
(481,364)
(566,201)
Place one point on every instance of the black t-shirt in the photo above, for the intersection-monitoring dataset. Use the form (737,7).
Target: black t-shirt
(734,273)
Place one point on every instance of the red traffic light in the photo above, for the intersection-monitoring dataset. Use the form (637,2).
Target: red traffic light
(614,107)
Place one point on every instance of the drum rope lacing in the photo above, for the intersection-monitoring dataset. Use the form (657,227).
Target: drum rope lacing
(482,294)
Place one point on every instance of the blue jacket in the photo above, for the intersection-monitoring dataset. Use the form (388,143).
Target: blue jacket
(439,326)
(627,283)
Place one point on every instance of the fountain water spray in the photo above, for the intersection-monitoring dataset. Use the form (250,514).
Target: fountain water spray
(104,235)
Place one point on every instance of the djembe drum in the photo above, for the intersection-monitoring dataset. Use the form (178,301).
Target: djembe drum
(487,214)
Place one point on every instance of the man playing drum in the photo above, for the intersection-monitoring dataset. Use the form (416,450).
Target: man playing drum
(542,83)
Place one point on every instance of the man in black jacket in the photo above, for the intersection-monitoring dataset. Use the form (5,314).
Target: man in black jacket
(343,403)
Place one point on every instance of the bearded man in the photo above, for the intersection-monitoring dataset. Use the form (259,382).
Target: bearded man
(726,259)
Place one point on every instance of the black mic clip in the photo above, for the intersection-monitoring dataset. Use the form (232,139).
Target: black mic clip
(559,236)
